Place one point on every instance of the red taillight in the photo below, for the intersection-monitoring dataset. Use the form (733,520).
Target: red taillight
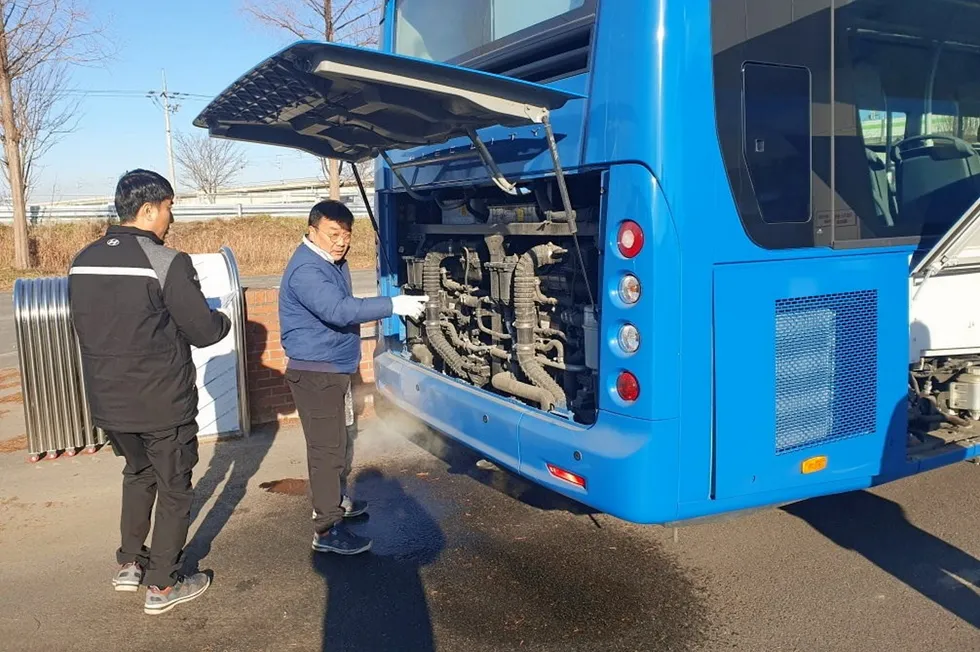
(567,476)
(627,386)
(630,238)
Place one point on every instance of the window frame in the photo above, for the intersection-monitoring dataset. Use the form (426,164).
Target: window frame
(809,119)
(526,41)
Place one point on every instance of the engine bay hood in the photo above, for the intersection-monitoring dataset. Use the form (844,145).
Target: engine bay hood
(957,250)
(351,104)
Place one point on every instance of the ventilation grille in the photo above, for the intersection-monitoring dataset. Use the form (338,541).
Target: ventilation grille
(826,368)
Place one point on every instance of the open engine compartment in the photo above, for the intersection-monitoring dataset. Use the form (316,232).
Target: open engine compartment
(944,403)
(509,305)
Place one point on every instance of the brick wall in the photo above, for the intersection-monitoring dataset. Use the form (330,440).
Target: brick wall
(269,397)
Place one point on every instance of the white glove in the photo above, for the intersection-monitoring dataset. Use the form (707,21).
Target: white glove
(409,306)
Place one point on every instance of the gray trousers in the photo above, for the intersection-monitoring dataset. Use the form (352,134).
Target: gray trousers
(320,399)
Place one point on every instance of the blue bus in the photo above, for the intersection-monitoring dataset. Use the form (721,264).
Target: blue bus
(683,257)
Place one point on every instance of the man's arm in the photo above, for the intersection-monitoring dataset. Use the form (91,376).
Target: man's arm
(328,302)
(189,309)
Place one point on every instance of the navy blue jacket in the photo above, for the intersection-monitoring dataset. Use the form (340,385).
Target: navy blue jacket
(319,316)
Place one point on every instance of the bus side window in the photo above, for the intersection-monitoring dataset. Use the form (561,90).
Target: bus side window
(778,139)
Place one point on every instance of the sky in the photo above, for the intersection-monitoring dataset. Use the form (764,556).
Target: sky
(204,45)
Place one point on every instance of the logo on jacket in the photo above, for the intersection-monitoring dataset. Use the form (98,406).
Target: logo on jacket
(112,242)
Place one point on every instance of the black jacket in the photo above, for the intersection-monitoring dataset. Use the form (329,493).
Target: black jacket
(137,306)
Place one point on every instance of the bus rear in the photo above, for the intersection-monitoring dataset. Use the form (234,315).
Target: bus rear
(672,249)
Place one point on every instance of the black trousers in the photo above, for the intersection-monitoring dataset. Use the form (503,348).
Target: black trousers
(158,469)
(319,398)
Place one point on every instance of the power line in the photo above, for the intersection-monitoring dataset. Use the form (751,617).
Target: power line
(136,94)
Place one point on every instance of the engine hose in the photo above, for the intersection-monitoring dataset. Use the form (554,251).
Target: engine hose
(551,345)
(433,329)
(484,329)
(525,317)
(422,354)
(505,382)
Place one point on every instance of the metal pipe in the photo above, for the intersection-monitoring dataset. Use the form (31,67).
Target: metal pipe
(564,366)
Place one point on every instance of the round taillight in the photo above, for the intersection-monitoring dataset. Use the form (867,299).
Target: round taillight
(627,386)
(629,289)
(630,238)
(629,338)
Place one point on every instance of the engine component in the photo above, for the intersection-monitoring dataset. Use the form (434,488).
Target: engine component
(964,393)
(506,382)
(591,328)
(526,291)
(505,309)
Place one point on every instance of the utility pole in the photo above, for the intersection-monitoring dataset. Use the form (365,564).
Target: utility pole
(170,140)
(164,102)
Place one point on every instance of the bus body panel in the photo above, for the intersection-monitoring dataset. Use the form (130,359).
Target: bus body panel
(633,193)
(806,365)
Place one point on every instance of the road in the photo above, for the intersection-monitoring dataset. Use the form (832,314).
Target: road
(364,282)
(466,559)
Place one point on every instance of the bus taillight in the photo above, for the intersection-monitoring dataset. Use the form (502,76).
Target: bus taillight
(567,476)
(630,239)
(627,386)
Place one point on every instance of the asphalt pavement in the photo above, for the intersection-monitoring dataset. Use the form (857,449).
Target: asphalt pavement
(467,559)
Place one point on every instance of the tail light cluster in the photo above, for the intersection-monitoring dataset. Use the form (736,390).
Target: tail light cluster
(629,240)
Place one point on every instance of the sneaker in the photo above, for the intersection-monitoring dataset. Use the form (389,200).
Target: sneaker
(128,577)
(353,508)
(160,601)
(340,540)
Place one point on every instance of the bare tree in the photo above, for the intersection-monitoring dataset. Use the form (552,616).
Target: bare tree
(39,40)
(355,22)
(346,176)
(209,163)
(44,111)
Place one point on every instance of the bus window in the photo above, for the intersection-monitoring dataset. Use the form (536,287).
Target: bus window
(535,41)
(915,70)
(893,141)
(777,139)
(780,182)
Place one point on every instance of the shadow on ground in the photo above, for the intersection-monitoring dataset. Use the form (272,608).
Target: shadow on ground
(877,529)
(234,461)
(376,601)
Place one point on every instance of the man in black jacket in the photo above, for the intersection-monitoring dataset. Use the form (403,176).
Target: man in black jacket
(137,307)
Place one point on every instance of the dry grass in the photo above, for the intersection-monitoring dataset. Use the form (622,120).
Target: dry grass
(14,445)
(262,245)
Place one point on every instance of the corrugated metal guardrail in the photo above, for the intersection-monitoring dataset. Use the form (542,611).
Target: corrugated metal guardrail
(182,212)
(55,404)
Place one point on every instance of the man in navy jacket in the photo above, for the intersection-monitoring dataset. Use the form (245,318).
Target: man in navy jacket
(320,319)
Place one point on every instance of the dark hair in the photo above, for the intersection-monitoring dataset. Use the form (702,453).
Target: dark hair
(138,187)
(333,210)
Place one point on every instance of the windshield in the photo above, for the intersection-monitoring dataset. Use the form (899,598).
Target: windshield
(445,30)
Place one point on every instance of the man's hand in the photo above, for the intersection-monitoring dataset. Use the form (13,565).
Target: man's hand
(408,305)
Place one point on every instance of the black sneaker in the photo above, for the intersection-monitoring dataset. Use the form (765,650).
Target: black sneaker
(340,540)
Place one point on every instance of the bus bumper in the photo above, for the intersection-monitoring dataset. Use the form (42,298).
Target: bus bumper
(629,466)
